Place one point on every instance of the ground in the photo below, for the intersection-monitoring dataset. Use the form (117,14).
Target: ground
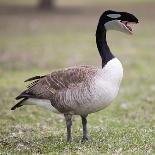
(33,42)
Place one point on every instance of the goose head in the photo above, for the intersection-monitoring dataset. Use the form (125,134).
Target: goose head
(119,21)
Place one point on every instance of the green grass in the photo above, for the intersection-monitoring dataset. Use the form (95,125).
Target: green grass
(38,43)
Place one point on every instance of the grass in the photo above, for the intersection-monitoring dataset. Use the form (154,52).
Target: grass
(38,43)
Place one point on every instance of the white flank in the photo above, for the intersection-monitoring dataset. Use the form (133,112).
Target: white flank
(41,102)
(102,92)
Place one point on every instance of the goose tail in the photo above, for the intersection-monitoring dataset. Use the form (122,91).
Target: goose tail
(19,104)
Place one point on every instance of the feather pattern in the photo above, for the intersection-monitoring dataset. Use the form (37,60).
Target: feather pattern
(77,90)
(61,87)
(85,89)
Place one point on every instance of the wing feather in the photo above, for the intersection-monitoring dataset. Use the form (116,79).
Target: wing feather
(46,87)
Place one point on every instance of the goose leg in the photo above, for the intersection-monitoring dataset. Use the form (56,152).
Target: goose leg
(68,125)
(85,130)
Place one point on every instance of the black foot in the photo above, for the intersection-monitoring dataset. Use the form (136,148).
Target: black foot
(84,139)
(69,140)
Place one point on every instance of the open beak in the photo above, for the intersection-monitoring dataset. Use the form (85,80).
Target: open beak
(128,26)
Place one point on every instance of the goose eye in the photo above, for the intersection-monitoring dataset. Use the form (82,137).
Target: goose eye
(114,15)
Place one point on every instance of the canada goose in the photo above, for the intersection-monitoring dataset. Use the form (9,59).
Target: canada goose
(85,89)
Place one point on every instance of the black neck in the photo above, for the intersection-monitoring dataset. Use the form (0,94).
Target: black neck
(102,45)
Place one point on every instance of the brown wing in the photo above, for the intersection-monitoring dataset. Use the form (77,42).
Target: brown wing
(45,87)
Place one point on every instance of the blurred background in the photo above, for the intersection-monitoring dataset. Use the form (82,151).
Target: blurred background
(61,34)
(38,36)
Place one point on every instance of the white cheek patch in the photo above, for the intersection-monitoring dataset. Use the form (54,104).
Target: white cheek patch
(114,15)
(115,25)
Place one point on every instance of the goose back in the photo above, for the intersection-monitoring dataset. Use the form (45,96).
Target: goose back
(63,87)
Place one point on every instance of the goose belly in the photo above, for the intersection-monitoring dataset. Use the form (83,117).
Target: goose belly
(104,88)
(83,102)
(102,95)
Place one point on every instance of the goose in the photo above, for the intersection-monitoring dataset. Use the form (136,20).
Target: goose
(82,90)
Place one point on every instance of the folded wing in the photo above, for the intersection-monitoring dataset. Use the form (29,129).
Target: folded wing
(46,87)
